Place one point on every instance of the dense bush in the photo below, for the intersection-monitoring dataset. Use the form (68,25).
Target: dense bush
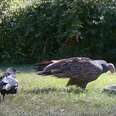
(43,29)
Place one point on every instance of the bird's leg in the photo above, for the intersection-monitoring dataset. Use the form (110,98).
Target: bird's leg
(80,83)
(83,86)
(3,96)
(0,99)
(70,82)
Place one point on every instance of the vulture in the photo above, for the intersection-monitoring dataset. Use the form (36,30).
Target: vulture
(8,82)
(79,70)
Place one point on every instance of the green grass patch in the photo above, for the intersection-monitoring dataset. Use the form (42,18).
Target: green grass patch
(48,96)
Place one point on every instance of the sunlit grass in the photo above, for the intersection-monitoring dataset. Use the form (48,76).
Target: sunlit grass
(16,4)
(48,96)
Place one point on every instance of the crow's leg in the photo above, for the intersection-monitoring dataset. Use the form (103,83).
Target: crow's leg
(0,98)
(3,97)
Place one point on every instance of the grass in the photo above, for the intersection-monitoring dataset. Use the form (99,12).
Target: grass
(48,96)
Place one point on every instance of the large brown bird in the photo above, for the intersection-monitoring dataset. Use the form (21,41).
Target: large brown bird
(79,70)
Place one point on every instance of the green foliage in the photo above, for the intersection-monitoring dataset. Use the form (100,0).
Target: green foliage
(38,30)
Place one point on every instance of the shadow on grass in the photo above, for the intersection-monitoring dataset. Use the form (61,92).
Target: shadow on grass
(52,90)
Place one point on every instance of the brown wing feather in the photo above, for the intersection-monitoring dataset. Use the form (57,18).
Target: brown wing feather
(85,70)
(81,69)
(76,67)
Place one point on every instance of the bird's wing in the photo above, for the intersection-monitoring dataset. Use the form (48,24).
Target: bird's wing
(65,67)
(59,69)
(81,68)
(85,70)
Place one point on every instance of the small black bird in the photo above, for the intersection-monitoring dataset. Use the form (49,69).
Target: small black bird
(8,82)
(79,70)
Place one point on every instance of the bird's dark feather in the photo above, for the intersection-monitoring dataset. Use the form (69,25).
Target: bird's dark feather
(80,70)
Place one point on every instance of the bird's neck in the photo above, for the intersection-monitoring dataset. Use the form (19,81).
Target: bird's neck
(105,68)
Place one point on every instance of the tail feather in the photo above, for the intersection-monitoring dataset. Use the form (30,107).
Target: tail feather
(44,73)
(40,66)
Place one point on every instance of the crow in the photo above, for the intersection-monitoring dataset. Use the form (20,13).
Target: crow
(8,82)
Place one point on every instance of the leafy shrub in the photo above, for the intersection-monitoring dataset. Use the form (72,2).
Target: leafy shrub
(40,31)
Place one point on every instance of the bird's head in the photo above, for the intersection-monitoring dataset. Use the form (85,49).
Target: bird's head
(111,68)
(11,70)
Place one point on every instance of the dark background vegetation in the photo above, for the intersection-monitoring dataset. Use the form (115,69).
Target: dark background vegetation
(53,29)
